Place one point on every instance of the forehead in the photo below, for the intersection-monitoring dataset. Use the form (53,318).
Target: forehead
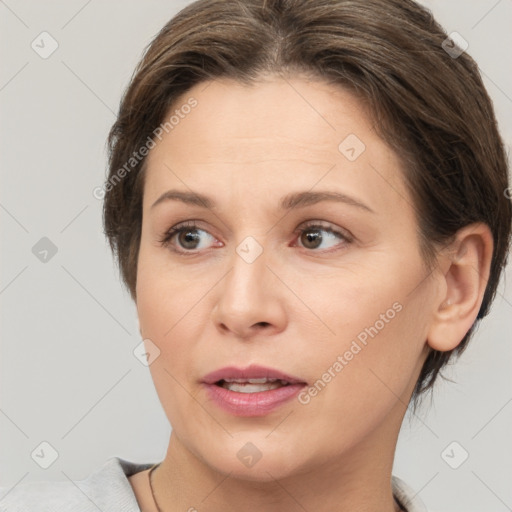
(310,115)
(275,132)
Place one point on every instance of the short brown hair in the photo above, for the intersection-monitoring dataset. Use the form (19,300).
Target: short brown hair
(431,107)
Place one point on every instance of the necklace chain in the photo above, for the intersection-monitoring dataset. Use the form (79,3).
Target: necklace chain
(151,485)
(159,510)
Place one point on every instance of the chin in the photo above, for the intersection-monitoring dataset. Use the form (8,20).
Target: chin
(263,471)
(258,460)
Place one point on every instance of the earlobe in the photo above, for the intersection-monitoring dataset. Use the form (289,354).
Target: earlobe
(468,262)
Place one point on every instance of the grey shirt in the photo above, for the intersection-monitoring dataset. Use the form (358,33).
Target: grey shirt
(108,489)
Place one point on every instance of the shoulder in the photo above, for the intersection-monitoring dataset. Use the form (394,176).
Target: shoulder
(406,496)
(107,488)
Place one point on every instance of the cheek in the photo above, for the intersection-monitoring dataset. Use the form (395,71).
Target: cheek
(367,298)
(166,294)
(362,381)
(377,337)
(165,306)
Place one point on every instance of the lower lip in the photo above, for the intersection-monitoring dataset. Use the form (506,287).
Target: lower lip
(252,404)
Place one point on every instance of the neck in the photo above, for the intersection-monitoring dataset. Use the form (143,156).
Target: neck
(358,480)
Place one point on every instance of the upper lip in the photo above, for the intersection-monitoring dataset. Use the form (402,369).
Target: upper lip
(250,372)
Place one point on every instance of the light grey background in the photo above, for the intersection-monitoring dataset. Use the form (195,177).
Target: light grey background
(68,373)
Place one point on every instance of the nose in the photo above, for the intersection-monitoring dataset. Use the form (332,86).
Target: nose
(251,300)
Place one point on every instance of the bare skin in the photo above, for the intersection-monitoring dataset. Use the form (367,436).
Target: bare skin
(297,307)
(140,484)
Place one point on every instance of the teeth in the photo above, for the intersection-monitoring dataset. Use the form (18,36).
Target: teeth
(264,380)
(250,387)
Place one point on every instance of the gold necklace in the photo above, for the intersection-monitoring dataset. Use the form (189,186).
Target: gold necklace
(151,486)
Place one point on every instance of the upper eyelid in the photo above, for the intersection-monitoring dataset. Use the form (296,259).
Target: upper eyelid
(193,224)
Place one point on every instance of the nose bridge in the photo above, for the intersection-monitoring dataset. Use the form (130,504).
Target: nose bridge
(248,298)
(246,281)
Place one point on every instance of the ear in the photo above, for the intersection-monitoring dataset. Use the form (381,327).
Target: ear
(465,269)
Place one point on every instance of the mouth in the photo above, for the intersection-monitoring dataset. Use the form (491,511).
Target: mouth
(251,385)
(251,391)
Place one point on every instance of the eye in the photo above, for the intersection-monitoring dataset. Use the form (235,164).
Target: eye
(188,236)
(311,236)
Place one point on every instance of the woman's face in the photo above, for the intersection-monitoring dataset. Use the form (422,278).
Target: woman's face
(276,273)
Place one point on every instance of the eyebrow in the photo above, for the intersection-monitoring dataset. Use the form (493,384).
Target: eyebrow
(288,202)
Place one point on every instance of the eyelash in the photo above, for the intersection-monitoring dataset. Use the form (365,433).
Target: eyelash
(165,241)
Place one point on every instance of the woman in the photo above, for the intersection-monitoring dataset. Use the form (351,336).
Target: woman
(308,205)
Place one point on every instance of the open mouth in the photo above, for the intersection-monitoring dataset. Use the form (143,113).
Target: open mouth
(242,393)
(251,385)
(251,391)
